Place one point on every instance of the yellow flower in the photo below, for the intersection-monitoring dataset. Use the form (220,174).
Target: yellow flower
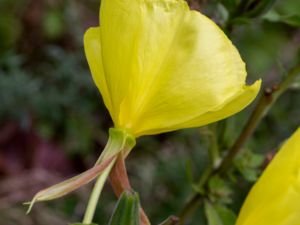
(161,67)
(275,198)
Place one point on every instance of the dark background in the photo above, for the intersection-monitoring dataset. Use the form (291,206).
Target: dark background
(53,123)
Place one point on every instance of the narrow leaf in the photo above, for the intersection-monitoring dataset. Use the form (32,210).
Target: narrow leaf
(211,214)
(71,184)
(227,215)
(258,8)
(292,20)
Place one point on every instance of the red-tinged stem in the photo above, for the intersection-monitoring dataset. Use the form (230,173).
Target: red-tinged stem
(120,182)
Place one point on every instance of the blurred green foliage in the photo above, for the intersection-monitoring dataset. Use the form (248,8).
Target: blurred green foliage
(45,85)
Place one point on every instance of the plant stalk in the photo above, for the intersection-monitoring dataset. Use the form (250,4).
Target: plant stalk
(96,192)
(120,182)
(120,142)
(265,103)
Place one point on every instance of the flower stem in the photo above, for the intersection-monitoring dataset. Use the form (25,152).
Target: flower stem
(94,197)
(120,142)
(120,183)
(265,103)
(263,106)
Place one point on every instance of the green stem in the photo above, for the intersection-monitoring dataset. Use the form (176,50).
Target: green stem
(214,156)
(119,141)
(96,192)
(263,106)
(189,208)
(265,103)
(214,149)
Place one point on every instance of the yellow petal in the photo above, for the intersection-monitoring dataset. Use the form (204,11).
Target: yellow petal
(228,108)
(167,67)
(199,73)
(136,37)
(275,198)
(93,53)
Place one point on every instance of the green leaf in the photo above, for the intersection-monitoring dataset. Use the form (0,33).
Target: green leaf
(241,21)
(230,4)
(255,8)
(227,216)
(127,210)
(219,190)
(223,12)
(212,215)
(291,20)
(248,164)
(219,214)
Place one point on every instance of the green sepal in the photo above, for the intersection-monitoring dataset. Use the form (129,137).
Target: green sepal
(65,187)
(127,210)
(119,140)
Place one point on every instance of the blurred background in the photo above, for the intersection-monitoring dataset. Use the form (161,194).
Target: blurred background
(53,123)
